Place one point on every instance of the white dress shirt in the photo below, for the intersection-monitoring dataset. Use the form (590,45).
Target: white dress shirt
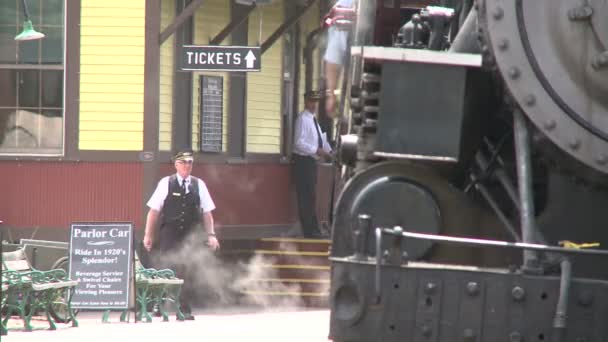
(162,190)
(305,137)
(344,3)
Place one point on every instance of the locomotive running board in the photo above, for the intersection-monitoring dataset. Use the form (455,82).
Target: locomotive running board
(417,56)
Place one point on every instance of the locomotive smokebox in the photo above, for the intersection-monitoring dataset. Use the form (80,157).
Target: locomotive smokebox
(553,57)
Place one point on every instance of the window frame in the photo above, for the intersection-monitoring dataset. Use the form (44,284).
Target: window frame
(41,68)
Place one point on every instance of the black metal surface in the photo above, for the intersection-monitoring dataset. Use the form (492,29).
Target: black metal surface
(547,60)
(576,212)
(425,303)
(467,38)
(545,53)
(362,236)
(419,101)
(347,152)
(411,205)
(436,207)
(496,208)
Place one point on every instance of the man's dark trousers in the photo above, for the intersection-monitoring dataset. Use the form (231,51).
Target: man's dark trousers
(171,241)
(305,171)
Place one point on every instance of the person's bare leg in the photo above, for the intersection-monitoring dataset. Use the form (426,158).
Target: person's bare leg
(332,72)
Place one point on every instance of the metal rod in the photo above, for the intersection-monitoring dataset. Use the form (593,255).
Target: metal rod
(505,181)
(501,216)
(362,236)
(345,79)
(467,38)
(494,243)
(378,281)
(366,21)
(311,44)
(559,321)
(500,174)
(524,182)
(507,185)
(26,11)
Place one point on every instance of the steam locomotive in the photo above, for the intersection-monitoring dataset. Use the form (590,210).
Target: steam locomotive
(475,171)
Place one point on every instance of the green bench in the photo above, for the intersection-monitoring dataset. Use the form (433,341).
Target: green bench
(4,289)
(29,291)
(154,288)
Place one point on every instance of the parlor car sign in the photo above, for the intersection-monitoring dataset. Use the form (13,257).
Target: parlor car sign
(101,260)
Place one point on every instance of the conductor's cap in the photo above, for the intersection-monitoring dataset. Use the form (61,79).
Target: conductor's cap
(184,155)
(312,95)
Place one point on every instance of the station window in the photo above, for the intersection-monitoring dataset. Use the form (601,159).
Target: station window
(32,79)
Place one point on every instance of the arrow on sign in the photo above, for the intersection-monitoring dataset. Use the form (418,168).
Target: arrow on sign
(250,58)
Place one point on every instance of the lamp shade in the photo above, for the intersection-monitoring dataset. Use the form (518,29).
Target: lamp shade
(28,32)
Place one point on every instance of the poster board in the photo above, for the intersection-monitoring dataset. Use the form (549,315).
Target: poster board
(101,259)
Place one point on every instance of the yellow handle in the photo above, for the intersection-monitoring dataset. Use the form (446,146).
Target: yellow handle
(570,244)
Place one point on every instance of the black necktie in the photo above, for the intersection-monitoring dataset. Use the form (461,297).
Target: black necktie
(184,186)
(319,140)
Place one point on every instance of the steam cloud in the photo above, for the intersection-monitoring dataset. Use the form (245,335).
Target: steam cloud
(224,282)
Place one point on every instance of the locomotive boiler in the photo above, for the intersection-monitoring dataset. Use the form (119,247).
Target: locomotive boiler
(474,203)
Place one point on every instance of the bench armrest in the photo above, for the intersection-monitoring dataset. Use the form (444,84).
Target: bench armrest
(166,273)
(52,276)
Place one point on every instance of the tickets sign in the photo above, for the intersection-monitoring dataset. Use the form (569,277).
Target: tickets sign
(220,58)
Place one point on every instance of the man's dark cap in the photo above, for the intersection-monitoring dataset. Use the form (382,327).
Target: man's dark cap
(312,95)
(185,155)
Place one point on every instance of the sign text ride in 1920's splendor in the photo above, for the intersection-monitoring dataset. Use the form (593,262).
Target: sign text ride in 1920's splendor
(220,58)
(101,259)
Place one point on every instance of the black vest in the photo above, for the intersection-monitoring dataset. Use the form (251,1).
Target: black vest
(181,211)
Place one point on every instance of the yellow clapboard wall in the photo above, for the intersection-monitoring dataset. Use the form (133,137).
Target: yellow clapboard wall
(264,88)
(112,46)
(166,78)
(209,20)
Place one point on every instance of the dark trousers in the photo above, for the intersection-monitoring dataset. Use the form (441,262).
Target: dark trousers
(171,241)
(305,174)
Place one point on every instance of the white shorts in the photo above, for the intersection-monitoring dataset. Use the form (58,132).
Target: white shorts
(336,45)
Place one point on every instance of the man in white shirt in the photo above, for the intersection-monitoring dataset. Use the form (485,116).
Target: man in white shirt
(310,145)
(181,202)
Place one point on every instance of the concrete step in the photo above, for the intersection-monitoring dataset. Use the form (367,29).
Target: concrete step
(291,270)
(287,285)
(294,244)
(292,257)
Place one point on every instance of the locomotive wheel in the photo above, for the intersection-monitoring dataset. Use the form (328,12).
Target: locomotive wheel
(553,56)
(405,194)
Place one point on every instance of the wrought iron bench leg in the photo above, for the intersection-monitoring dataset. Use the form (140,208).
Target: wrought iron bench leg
(176,293)
(70,310)
(142,299)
